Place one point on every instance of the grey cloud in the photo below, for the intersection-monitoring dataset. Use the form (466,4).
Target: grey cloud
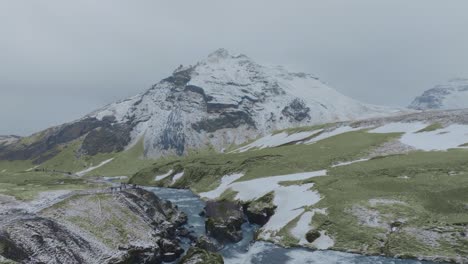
(62,59)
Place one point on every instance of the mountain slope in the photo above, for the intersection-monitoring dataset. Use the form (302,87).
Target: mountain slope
(220,101)
(452,95)
(228,99)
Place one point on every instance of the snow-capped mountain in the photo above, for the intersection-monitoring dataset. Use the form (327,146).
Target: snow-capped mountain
(452,95)
(228,99)
(222,100)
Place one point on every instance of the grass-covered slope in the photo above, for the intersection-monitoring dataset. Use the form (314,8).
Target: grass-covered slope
(204,172)
(24,180)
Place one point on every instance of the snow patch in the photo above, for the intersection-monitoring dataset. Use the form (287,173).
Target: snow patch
(349,162)
(177,177)
(160,177)
(278,140)
(441,139)
(225,182)
(302,227)
(30,169)
(333,132)
(323,242)
(84,172)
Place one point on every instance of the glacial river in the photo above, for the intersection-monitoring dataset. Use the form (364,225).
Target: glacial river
(249,252)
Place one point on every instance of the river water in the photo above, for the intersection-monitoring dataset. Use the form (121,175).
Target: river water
(248,252)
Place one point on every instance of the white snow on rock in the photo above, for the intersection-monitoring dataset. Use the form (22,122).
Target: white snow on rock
(84,172)
(274,140)
(160,177)
(225,182)
(288,199)
(441,139)
(177,177)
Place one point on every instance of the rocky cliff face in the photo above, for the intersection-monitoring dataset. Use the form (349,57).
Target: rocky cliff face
(222,100)
(452,95)
(131,226)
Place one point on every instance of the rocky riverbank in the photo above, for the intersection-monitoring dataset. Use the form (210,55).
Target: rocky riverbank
(129,226)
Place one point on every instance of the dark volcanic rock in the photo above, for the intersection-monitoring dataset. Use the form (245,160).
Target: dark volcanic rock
(133,225)
(162,212)
(232,119)
(224,220)
(171,251)
(107,139)
(143,255)
(200,256)
(259,211)
(208,244)
(102,136)
(296,110)
(312,235)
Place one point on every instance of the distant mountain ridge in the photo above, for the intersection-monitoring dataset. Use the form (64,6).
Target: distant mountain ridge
(222,100)
(451,95)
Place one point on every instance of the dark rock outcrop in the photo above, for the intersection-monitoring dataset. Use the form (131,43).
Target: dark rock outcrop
(312,235)
(200,256)
(224,220)
(100,136)
(208,243)
(296,110)
(170,250)
(39,240)
(232,119)
(139,254)
(131,226)
(106,139)
(259,211)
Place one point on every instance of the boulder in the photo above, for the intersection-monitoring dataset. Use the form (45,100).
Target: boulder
(312,235)
(170,250)
(208,244)
(260,211)
(224,221)
(201,256)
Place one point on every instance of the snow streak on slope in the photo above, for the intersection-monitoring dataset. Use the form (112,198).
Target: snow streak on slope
(275,140)
(84,172)
(160,177)
(453,136)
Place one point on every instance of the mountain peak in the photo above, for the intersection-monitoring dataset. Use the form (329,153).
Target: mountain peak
(219,54)
(450,95)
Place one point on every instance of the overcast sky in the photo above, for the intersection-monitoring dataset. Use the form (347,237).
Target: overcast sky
(61,59)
